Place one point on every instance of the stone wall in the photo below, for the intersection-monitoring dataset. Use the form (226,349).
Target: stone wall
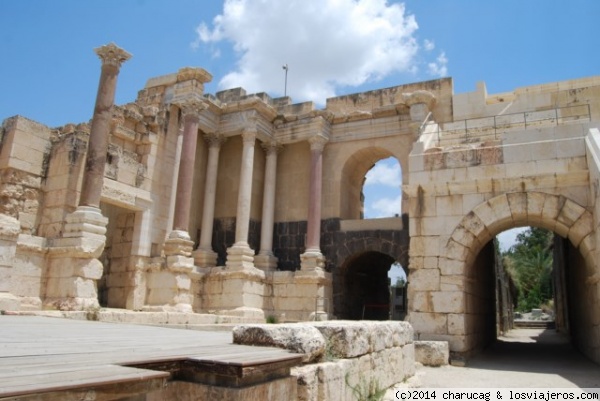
(343,360)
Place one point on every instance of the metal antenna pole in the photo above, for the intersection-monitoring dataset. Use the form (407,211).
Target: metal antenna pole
(285,67)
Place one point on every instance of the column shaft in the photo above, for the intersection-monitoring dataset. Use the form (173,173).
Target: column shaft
(112,57)
(313,234)
(185,178)
(210,190)
(268,210)
(245,189)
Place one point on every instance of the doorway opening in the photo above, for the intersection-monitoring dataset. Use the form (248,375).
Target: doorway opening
(367,288)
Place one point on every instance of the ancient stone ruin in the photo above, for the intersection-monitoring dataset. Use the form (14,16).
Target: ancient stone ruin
(245,206)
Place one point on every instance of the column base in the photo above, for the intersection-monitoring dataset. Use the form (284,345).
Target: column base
(9,302)
(266,261)
(240,257)
(205,258)
(73,266)
(312,260)
(178,243)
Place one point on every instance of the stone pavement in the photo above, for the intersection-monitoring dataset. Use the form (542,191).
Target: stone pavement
(523,358)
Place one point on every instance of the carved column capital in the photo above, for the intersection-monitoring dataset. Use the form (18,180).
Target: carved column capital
(112,54)
(317,142)
(271,147)
(249,135)
(214,140)
(191,109)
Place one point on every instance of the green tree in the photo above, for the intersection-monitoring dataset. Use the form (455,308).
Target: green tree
(529,262)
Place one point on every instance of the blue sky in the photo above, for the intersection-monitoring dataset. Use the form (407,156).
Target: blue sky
(49,71)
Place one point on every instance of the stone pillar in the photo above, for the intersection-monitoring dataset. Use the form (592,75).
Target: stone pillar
(73,265)
(265,259)
(204,256)
(9,235)
(179,242)
(312,258)
(112,57)
(240,255)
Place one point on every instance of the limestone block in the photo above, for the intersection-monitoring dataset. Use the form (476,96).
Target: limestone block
(420,301)
(345,339)
(456,251)
(308,383)
(582,228)
(408,360)
(570,213)
(302,339)
(381,336)
(425,279)
(452,282)
(428,323)
(447,302)
(402,333)
(464,236)
(432,353)
(449,267)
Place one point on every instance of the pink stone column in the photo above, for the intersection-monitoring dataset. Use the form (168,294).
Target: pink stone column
(312,257)
(112,57)
(191,117)
(204,256)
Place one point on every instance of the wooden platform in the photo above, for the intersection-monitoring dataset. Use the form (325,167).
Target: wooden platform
(40,355)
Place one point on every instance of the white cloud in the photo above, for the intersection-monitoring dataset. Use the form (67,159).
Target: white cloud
(387,174)
(439,68)
(326,43)
(509,238)
(385,207)
(428,45)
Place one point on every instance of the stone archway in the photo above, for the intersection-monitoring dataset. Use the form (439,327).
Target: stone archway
(552,212)
(468,248)
(352,178)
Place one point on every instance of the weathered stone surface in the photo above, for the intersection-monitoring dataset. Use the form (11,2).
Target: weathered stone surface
(345,339)
(432,353)
(302,339)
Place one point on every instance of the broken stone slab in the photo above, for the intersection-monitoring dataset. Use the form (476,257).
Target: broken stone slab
(302,339)
(432,353)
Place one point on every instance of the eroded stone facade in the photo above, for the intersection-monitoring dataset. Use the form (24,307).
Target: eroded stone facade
(238,204)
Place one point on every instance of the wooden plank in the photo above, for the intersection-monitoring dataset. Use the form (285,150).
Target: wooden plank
(74,379)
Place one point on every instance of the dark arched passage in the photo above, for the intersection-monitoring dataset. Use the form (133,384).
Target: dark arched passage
(365,290)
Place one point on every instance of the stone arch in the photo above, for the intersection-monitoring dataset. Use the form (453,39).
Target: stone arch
(352,178)
(380,247)
(556,213)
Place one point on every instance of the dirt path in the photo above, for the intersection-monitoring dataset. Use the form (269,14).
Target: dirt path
(523,358)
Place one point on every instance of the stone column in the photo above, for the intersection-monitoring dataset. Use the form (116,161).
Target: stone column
(312,258)
(73,263)
(265,259)
(240,255)
(204,256)
(112,57)
(179,242)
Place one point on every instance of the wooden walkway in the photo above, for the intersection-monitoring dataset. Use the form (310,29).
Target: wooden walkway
(41,355)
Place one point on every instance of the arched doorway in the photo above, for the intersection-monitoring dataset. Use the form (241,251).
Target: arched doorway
(471,247)
(366,289)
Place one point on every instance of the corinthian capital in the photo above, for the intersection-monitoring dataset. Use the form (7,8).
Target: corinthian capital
(214,140)
(191,108)
(317,142)
(112,54)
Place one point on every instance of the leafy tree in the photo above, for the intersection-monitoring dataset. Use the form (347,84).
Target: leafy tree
(529,263)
